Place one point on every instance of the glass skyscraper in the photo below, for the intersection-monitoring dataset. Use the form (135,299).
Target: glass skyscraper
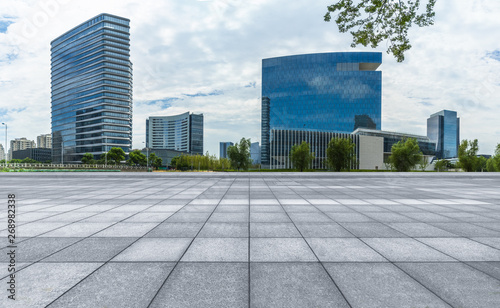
(183,132)
(329,92)
(91,89)
(443,128)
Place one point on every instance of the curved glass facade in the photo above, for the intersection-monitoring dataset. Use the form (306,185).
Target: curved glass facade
(320,92)
(91,89)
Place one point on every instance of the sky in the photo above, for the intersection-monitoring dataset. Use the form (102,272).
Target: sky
(206,57)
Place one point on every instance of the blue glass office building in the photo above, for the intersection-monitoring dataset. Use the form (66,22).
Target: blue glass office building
(320,92)
(443,128)
(91,89)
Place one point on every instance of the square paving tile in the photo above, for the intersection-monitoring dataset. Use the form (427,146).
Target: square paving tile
(405,250)
(280,250)
(205,285)
(224,229)
(154,250)
(217,250)
(463,249)
(294,285)
(176,229)
(458,284)
(277,229)
(343,250)
(147,277)
(380,285)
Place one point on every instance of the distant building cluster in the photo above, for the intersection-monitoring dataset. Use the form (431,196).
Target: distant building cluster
(308,97)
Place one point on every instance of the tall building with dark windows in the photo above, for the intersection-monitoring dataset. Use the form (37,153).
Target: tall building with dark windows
(183,132)
(328,92)
(91,89)
(443,128)
(223,146)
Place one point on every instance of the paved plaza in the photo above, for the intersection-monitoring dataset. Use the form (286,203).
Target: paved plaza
(253,239)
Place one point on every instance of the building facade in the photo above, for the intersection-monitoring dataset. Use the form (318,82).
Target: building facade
(20,144)
(44,141)
(223,146)
(39,154)
(91,89)
(427,147)
(2,152)
(320,92)
(367,151)
(443,128)
(183,132)
(255,152)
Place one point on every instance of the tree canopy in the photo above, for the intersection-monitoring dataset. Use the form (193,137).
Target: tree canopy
(405,155)
(88,158)
(155,161)
(136,158)
(372,21)
(340,154)
(301,156)
(116,155)
(239,154)
(467,155)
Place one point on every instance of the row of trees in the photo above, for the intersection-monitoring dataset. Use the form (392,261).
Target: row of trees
(26,160)
(339,155)
(200,162)
(115,156)
(469,161)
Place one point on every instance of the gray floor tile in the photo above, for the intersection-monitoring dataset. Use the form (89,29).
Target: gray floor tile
(380,285)
(343,250)
(323,230)
(280,250)
(489,268)
(371,230)
(405,250)
(154,250)
(97,291)
(91,250)
(277,229)
(269,217)
(205,285)
(217,250)
(463,249)
(186,229)
(292,285)
(224,229)
(34,249)
(456,283)
(42,283)
(420,229)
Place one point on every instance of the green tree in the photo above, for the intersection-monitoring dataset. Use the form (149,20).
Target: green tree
(441,165)
(481,164)
(155,161)
(301,156)
(424,163)
(28,160)
(467,155)
(239,154)
(15,161)
(88,158)
(493,163)
(340,154)
(405,155)
(116,155)
(136,158)
(372,21)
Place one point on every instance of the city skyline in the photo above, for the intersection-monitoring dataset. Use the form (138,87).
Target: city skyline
(205,57)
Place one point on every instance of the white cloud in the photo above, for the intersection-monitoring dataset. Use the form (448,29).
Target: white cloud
(181,48)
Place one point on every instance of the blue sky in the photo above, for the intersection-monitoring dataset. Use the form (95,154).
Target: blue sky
(205,57)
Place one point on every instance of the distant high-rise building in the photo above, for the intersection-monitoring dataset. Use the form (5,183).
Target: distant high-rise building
(320,92)
(2,152)
(255,152)
(20,144)
(443,128)
(183,132)
(44,141)
(91,89)
(223,148)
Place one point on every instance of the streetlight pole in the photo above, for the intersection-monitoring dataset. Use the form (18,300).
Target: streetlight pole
(147,156)
(5,150)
